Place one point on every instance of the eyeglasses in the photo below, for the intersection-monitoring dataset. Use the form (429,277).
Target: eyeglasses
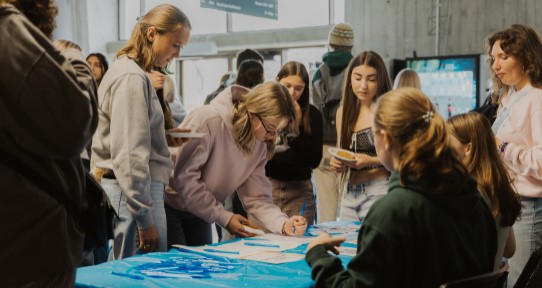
(268,132)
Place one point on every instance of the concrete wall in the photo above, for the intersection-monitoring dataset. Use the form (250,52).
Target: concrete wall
(394,28)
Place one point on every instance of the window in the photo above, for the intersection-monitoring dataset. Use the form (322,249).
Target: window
(200,78)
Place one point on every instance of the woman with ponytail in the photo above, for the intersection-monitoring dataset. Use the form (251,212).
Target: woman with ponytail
(130,148)
(433,225)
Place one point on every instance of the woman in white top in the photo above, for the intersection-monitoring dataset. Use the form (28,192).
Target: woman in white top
(516,61)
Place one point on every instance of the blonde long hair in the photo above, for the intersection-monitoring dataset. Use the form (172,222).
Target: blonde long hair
(410,119)
(268,100)
(407,78)
(486,166)
(165,18)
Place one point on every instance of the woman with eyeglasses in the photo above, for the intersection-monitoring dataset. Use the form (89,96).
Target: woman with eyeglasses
(432,226)
(240,127)
(367,79)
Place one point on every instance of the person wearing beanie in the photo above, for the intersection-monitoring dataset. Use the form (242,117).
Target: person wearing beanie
(242,56)
(248,54)
(341,42)
(327,99)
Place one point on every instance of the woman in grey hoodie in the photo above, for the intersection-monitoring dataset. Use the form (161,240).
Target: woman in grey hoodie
(130,148)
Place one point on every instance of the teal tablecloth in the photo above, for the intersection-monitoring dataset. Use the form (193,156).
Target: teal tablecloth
(197,270)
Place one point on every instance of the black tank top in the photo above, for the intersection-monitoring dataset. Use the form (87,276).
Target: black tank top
(361,144)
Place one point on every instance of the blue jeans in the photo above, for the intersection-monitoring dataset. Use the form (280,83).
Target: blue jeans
(528,232)
(126,241)
(358,199)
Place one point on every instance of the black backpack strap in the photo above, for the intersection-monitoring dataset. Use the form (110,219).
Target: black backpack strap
(325,72)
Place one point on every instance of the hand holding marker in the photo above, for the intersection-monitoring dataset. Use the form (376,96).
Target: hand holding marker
(300,214)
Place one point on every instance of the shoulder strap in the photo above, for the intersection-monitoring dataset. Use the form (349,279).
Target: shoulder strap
(325,72)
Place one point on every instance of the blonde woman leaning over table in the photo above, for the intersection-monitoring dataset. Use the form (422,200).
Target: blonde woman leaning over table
(433,225)
(515,55)
(240,127)
(366,80)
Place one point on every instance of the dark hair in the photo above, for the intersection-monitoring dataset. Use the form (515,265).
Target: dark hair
(350,103)
(486,165)
(102,60)
(294,68)
(524,43)
(249,74)
(248,54)
(410,119)
(41,13)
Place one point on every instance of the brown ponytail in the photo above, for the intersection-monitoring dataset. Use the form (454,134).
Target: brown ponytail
(410,118)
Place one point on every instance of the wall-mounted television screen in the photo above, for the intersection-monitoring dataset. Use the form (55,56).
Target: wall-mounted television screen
(452,82)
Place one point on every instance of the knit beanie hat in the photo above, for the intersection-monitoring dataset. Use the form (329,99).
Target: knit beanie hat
(341,35)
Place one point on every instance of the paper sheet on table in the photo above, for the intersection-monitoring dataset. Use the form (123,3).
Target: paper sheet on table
(347,251)
(240,249)
(286,239)
(243,251)
(334,228)
(275,257)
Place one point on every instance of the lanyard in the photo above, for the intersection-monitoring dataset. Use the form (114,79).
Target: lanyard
(503,117)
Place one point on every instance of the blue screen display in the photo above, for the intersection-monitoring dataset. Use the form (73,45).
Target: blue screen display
(450,82)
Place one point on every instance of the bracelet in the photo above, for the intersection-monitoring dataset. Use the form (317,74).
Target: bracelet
(502,148)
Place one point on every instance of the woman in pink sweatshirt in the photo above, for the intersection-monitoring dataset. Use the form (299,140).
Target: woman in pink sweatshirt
(516,63)
(240,129)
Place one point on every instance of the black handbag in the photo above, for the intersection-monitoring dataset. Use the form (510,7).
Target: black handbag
(97,216)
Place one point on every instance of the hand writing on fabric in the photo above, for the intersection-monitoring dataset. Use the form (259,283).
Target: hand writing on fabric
(331,243)
(174,141)
(148,239)
(236,227)
(337,165)
(300,224)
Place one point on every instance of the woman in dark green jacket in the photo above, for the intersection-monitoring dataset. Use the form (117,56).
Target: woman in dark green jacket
(432,226)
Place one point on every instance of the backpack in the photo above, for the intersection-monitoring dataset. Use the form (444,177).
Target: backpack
(327,94)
